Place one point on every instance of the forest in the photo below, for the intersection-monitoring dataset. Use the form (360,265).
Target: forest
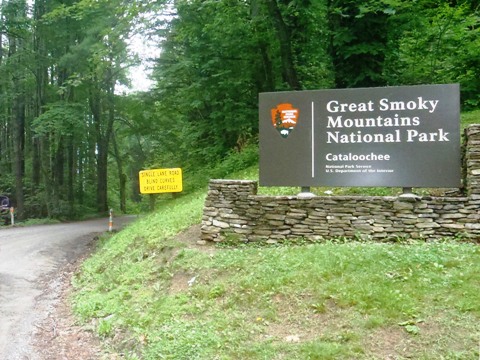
(73,140)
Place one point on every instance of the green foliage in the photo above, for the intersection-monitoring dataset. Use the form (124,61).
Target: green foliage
(60,66)
(441,45)
(62,118)
(469,118)
(195,177)
(317,301)
(236,161)
(392,42)
(151,287)
(359,33)
(216,58)
(208,99)
(6,184)
(104,327)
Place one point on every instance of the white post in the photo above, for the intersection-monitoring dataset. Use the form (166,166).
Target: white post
(110,221)
(12,216)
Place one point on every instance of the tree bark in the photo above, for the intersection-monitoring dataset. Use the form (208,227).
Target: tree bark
(122,178)
(289,72)
(265,79)
(101,149)
(18,119)
(18,128)
(70,174)
(41,75)
(104,128)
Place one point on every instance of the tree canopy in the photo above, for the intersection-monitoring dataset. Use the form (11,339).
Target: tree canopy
(71,143)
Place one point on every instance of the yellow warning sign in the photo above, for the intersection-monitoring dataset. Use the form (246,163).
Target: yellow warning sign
(157,181)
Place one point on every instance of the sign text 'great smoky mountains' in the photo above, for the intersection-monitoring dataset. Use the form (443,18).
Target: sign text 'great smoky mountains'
(404,136)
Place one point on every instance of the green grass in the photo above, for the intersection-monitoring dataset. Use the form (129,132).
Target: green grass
(251,173)
(468,118)
(331,300)
(33,222)
(151,293)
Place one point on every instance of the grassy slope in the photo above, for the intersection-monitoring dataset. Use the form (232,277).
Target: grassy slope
(154,297)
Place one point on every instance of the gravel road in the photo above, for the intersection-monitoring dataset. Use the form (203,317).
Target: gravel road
(29,255)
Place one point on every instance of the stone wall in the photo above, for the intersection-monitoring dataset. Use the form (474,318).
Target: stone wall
(234,210)
(471,163)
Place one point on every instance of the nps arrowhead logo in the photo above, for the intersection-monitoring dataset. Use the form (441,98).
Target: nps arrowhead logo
(284,118)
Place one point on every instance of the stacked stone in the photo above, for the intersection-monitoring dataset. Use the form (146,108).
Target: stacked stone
(472,159)
(247,217)
(225,208)
(233,210)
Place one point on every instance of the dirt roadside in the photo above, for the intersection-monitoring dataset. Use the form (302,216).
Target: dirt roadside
(58,336)
(36,265)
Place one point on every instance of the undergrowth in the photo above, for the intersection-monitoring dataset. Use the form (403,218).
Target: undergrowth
(153,297)
(151,293)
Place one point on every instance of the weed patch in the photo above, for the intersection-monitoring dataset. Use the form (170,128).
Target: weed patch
(154,297)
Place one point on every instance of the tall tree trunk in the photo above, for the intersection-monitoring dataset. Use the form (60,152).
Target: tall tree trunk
(3,125)
(82,158)
(289,72)
(110,121)
(45,159)
(265,79)
(41,75)
(102,173)
(104,128)
(70,174)
(18,127)
(18,120)
(101,150)
(121,176)
(59,164)
(36,163)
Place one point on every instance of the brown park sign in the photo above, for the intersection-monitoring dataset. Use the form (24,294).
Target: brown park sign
(157,181)
(406,136)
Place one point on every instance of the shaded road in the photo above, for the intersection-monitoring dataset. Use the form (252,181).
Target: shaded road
(28,255)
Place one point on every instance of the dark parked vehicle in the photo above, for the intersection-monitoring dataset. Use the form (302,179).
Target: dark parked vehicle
(4,209)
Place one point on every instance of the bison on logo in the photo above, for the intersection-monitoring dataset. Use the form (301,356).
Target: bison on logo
(284,119)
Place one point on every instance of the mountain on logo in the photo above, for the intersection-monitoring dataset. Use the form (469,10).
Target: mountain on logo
(284,118)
